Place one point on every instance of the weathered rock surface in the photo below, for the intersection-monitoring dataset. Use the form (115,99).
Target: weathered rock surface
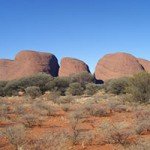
(145,64)
(27,63)
(117,65)
(70,66)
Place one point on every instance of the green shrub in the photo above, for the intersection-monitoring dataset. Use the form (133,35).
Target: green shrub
(117,86)
(82,78)
(75,89)
(92,88)
(33,91)
(14,86)
(2,85)
(58,85)
(139,87)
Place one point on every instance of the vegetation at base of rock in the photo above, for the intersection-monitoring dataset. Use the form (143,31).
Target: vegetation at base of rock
(137,86)
(117,86)
(33,91)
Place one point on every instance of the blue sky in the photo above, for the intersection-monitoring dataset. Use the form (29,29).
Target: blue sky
(84,29)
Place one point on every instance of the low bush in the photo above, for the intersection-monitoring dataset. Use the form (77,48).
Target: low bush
(117,107)
(50,140)
(75,89)
(92,88)
(58,85)
(116,133)
(14,86)
(50,110)
(98,111)
(15,135)
(75,118)
(2,85)
(142,121)
(65,107)
(65,99)
(52,96)
(117,86)
(33,91)
(31,121)
(82,78)
(139,87)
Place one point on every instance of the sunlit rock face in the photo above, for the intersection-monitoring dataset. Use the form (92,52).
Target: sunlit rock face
(28,63)
(145,64)
(117,65)
(71,66)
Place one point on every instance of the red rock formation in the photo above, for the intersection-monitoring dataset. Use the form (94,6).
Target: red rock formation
(117,65)
(145,64)
(70,66)
(27,63)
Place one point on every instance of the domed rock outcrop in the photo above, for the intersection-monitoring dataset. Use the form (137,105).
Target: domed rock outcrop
(117,65)
(70,66)
(145,64)
(27,63)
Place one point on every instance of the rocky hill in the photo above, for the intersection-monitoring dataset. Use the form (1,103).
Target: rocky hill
(70,66)
(27,63)
(119,65)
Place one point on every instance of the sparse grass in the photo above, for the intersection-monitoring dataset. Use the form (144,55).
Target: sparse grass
(76,118)
(87,122)
(116,133)
(65,99)
(65,107)
(97,110)
(15,135)
(31,121)
(143,122)
(50,140)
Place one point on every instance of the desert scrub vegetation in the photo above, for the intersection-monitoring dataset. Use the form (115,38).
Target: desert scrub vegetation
(139,87)
(16,135)
(142,121)
(75,89)
(92,88)
(14,86)
(75,119)
(31,120)
(95,109)
(82,78)
(51,96)
(59,84)
(2,85)
(65,107)
(117,86)
(65,99)
(51,141)
(116,133)
(33,91)
(46,83)
(50,110)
